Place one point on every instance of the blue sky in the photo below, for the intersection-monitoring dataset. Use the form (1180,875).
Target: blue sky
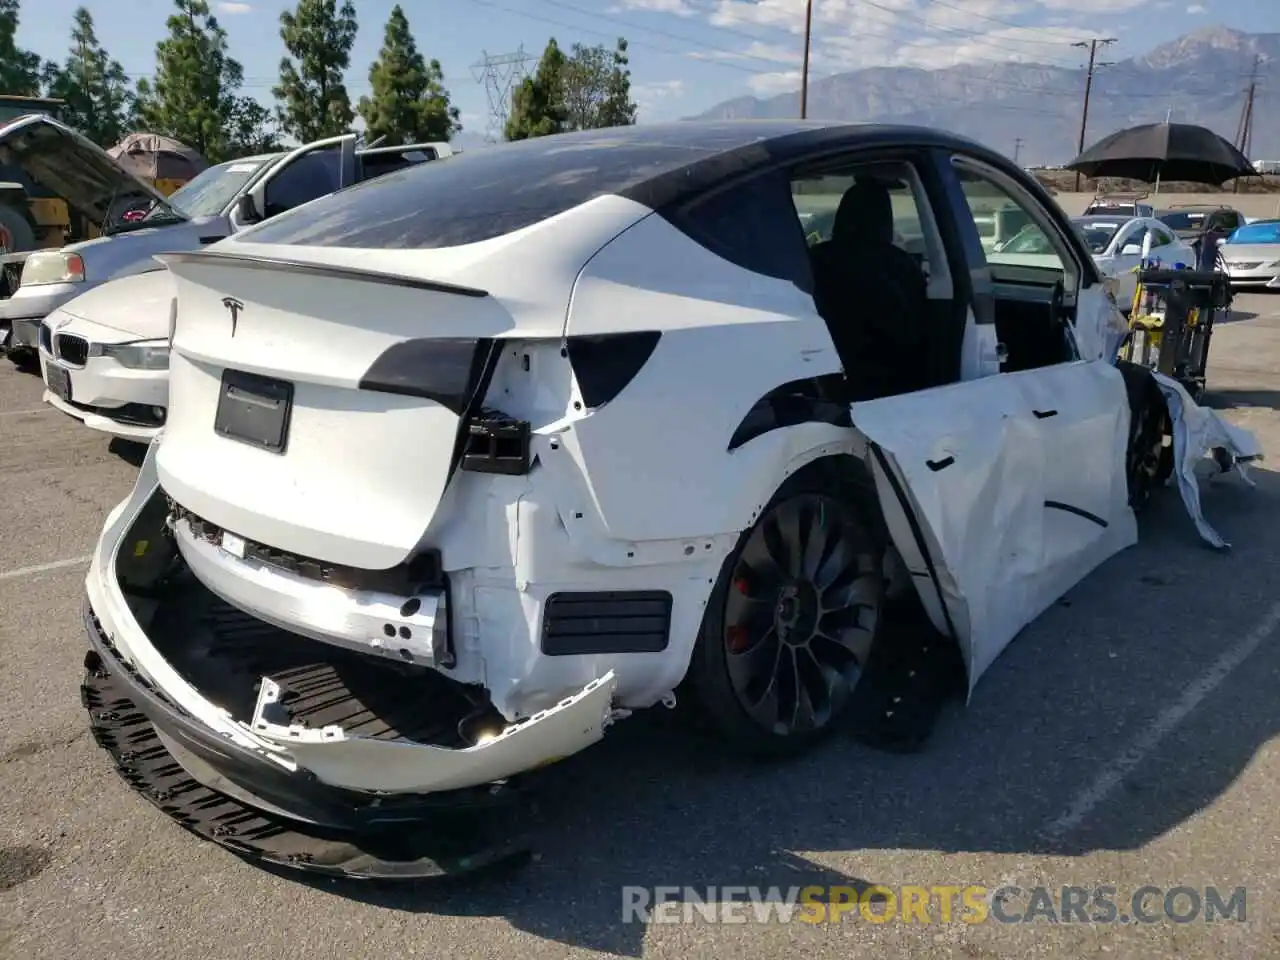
(686,55)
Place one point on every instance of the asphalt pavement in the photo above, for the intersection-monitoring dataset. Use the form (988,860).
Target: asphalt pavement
(1124,739)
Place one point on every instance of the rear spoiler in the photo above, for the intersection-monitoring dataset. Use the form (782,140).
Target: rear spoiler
(247,261)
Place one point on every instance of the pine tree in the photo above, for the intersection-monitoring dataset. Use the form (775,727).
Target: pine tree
(194,96)
(19,69)
(617,109)
(409,103)
(319,36)
(94,86)
(538,106)
(588,89)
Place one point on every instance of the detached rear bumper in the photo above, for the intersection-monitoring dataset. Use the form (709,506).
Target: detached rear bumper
(287,767)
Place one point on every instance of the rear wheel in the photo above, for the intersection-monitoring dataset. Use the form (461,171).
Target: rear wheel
(1149,459)
(792,621)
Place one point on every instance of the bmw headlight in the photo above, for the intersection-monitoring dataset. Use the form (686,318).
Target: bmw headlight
(52,266)
(146,355)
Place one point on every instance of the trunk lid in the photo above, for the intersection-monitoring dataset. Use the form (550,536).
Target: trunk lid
(75,169)
(362,377)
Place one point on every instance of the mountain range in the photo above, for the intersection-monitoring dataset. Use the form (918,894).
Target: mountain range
(1033,110)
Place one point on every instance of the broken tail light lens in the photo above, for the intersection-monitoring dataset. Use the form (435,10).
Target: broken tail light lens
(452,372)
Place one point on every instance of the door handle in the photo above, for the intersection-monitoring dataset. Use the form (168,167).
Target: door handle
(1044,414)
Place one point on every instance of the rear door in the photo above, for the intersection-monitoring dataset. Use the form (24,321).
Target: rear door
(1015,481)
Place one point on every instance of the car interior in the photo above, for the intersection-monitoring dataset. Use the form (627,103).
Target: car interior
(1031,305)
(873,292)
(871,286)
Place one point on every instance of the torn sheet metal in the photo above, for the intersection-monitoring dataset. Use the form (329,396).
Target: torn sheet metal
(1197,432)
(343,759)
(1006,529)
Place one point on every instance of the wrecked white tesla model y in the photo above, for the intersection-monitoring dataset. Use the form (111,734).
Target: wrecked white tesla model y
(464,464)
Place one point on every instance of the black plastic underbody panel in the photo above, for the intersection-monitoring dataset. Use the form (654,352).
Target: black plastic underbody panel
(351,834)
(577,624)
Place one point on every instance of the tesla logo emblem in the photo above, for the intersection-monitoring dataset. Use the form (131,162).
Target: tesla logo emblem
(234,307)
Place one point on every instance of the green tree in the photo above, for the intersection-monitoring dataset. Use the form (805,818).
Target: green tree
(19,69)
(319,36)
(587,89)
(251,129)
(597,87)
(617,109)
(93,85)
(409,103)
(538,105)
(194,97)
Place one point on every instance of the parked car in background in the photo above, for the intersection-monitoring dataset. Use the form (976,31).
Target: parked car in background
(1191,220)
(104,356)
(1120,205)
(1252,255)
(1116,244)
(215,204)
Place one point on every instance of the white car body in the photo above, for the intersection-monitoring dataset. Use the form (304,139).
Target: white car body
(104,356)
(640,366)
(1252,255)
(94,184)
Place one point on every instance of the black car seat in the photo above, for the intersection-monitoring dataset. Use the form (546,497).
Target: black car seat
(873,295)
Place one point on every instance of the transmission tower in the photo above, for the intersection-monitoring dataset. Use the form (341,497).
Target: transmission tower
(499,74)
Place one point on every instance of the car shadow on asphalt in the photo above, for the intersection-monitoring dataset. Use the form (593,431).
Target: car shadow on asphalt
(1073,700)
(130,451)
(1234,398)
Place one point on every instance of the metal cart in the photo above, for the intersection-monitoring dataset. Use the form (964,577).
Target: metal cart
(1171,322)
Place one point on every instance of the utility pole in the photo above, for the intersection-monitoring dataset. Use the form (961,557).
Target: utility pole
(1088,87)
(804,73)
(1245,135)
(1017,148)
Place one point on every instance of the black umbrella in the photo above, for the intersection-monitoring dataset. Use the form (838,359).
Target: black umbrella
(1164,151)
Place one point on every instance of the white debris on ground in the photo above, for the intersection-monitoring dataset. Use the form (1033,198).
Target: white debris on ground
(1199,432)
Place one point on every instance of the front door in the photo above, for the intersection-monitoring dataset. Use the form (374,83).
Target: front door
(1016,480)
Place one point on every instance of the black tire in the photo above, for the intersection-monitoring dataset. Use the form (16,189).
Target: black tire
(13,223)
(752,608)
(1149,454)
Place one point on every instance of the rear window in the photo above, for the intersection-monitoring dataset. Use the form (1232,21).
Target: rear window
(1182,221)
(481,194)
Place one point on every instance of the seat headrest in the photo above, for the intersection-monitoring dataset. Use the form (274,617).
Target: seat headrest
(865,215)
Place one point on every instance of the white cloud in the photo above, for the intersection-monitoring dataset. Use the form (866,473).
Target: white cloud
(853,34)
(756,50)
(1195,8)
(652,98)
(771,84)
(232,9)
(679,8)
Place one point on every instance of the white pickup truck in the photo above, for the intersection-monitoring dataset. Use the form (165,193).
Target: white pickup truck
(136,221)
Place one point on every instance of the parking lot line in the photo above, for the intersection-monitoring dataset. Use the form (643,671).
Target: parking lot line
(43,568)
(22,413)
(1113,774)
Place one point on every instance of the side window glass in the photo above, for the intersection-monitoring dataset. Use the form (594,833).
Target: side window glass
(307,178)
(1006,225)
(753,225)
(817,198)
